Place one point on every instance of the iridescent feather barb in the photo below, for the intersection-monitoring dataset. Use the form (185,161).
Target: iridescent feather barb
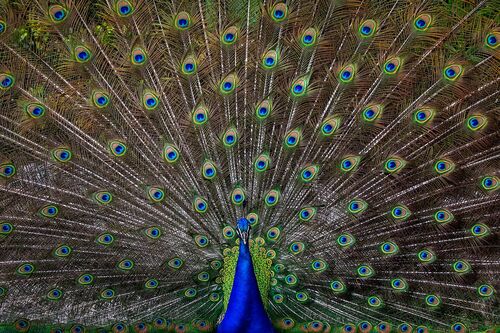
(358,138)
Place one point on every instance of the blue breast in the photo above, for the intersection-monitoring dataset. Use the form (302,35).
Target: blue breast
(245,312)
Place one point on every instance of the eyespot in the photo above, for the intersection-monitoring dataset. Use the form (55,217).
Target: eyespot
(301,296)
(423,116)
(35,110)
(3,292)
(491,40)
(77,329)
(279,268)
(161,323)
(452,72)
(461,267)
(444,166)
(270,59)
(201,241)
(365,271)
(319,265)
(376,302)
(124,8)
(62,155)
(261,163)
(103,197)
(292,138)
(485,290)
(306,214)
(367,28)
(399,284)
(422,22)
(263,110)
(315,326)
(458,328)
(82,54)
(357,206)
(382,327)
(347,73)
(105,239)
(22,325)
(3,27)
(117,148)
(346,240)
(253,219)
(278,298)
(480,230)
(189,66)
(5,229)
(119,328)
(54,294)
(214,297)
(62,251)
(49,211)
(273,234)
(476,122)
(229,36)
(170,153)
(291,279)
(228,232)
(203,276)
(107,294)
(348,328)
(309,173)
(151,284)
(238,196)
(394,164)
(308,37)
(200,115)
(286,323)
(272,198)
(230,137)
(279,12)
(183,21)
(364,327)
(126,265)
(138,56)
(153,232)
(200,205)
(432,300)
(25,269)
(271,254)
(443,216)
(7,170)
(426,256)
(228,84)
(150,101)
(330,126)
(404,328)
(490,183)
(208,170)
(372,112)
(156,194)
(389,248)
(58,13)
(190,293)
(6,81)
(392,66)
(100,99)
(400,212)
(85,279)
(338,286)
(299,86)
(350,163)
(175,263)
(296,247)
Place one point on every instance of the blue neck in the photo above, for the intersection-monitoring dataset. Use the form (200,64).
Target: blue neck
(245,312)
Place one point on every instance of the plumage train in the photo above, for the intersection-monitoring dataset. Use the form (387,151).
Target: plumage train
(359,139)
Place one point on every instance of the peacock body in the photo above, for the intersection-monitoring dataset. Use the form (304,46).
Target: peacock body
(247,166)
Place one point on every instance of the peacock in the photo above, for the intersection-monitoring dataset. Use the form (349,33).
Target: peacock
(249,166)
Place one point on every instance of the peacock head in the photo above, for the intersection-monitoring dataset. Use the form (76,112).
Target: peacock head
(243,229)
